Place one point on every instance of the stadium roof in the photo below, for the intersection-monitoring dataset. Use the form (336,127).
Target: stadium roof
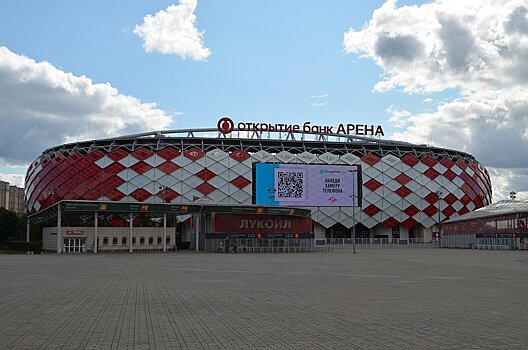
(504,207)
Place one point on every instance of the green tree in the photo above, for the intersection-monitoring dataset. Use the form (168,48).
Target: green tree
(9,226)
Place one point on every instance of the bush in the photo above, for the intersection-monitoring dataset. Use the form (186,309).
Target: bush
(24,246)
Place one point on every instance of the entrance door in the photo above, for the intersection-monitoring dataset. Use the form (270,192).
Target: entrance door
(75,245)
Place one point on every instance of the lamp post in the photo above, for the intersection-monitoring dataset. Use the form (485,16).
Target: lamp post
(52,192)
(439,193)
(163,192)
(353,225)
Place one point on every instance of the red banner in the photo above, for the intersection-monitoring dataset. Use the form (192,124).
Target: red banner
(259,223)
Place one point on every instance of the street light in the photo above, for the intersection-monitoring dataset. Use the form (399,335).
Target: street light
(439,193)
(163,192)
(354,197)
(52,192)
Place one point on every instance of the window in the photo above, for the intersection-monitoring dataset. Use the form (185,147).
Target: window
(160,240)
(141,240)
(133,240)
(114,241)
(151,240)
(105,240)
(124,241)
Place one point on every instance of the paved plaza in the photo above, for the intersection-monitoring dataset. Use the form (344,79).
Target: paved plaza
(376,299)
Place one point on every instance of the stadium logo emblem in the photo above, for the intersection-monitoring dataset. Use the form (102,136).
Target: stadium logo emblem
(225,125)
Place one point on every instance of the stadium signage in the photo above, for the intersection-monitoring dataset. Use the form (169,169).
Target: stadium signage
(226,125)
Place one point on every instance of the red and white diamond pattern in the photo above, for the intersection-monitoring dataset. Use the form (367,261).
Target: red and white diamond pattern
(395,190)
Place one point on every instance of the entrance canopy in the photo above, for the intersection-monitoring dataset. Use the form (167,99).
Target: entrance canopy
(160,208)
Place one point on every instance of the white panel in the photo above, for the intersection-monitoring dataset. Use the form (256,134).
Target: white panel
(392,185)
(393,198)
(456,169)
(167,180)
(104,162)
(458,181)
(284,156)
(140,181)
(328,158)
(351,159)
(194,167)
(391,160)
(217,196)
(307,157)
(369,222)
(262,156)
(128,161)
(421,167)
(440,168)
(392,172)
(127,174)
(154,174)
(457,206)
(155,160)
(470,171)
(127,188)
(216,154)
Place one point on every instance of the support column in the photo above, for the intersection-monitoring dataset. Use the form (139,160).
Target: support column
(96,234)
(164,232)
(197,230)
(130,233)
(59,219)
(27,230)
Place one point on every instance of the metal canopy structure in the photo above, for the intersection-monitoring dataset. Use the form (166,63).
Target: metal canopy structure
(159,208)
(254,141)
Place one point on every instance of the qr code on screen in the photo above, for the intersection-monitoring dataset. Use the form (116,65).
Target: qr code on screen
(290,184)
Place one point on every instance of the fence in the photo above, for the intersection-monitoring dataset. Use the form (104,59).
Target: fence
(260,245)
(346,243)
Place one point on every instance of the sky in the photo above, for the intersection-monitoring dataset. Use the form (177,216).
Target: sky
(446,73)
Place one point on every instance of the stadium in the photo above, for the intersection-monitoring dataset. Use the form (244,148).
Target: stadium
(335,185)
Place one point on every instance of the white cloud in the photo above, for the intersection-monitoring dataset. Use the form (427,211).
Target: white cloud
(42,106)
(478,48)
(173,31)
(13,179)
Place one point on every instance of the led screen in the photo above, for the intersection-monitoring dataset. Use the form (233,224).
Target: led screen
(306,185)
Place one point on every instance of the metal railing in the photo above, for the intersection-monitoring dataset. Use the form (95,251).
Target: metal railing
(346,243)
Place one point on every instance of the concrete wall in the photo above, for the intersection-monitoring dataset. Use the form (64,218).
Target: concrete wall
(49,237)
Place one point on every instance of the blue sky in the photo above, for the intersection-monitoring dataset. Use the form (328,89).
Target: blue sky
(413,66)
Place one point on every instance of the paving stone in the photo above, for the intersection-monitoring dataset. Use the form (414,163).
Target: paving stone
(376,299)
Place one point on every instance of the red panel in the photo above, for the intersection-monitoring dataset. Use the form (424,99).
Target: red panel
(431,198)
(240,155)
(194,154)
(478,203)
(411,210)
(140,195)
(371,210)
(205,174)
(431,173)
(450,175)
(141,167)
(474,166)
(410,222)
(448,211)
(92,194)
(403,191)
(118,222)
(467,189)
(261,223)
(402,179)
(112,182)
(240,182)
(167,195)
(168,167)
(390,222)
(410,160)
(142,153)
(169,153)
(450,199)
(115,168)
(372,185)
(463,211)
(117,154)
(429,161)
(430,210)
(370,159)
(461,164)
(205,188)
(465,199)
(448,163)
(94,156)
(114,195)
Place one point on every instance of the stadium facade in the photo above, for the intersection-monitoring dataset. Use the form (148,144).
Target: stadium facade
(402,190)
